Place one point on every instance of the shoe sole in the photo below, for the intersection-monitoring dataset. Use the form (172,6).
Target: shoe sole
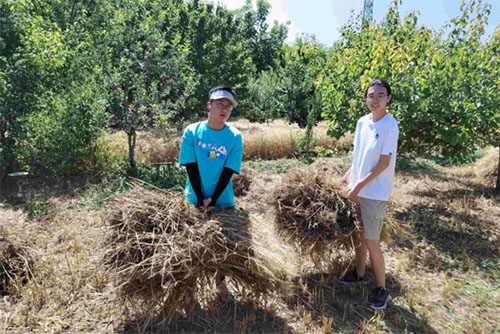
(383,307)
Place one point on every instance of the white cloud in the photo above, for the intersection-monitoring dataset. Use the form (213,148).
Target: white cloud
(280,11)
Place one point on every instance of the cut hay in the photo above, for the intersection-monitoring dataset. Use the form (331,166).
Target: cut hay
(310,208)
(162,249)
(331,167)
(242,181)
(486,168)
(16,258)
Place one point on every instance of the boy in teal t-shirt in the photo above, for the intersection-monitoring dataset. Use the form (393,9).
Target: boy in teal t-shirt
(212,151)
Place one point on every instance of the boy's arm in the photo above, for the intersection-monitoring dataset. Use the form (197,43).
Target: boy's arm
(347,177)
(382,164)
(221,185)
(195,180)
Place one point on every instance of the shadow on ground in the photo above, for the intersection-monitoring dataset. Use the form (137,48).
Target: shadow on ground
(325,298)
(441,228)
(470,231)
(224,317)
(41,188)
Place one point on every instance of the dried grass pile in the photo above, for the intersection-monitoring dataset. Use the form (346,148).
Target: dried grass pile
(486,168)
(310,208)
(16,257)
(162,249)
(242,181)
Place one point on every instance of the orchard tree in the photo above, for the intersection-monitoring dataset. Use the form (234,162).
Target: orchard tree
(216,50)
(304,61)
(265,45)
(263,103)
(443,86)
(31,53)
(229,47)
(149,76)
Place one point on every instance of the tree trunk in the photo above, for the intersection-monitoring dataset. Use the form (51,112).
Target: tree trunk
(131,136)
(3,153)
(312,118)
(497,189)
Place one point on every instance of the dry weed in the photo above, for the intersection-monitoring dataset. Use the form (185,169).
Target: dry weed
(486,168)
(243,181)
(17,257)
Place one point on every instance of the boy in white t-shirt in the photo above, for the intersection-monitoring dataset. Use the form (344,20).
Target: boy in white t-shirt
(370,181)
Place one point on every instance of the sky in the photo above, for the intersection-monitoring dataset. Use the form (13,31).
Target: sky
(323,18)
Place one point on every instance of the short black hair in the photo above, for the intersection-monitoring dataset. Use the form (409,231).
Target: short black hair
(379,82)
(226,88)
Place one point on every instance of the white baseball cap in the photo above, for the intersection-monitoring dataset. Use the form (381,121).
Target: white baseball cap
(224,94)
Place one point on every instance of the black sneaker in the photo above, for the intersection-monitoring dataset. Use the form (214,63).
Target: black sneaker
(379,299)
(351,277)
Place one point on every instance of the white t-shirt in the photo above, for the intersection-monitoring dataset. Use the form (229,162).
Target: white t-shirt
(372,139)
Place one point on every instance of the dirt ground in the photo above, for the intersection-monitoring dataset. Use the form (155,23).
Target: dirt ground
(442,263)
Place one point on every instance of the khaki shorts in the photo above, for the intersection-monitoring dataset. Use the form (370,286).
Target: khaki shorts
(372,215)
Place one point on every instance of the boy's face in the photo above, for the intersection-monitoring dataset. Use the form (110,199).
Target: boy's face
(220,109)
(377,98)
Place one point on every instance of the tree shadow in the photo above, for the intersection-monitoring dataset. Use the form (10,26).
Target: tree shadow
(222,317)
(452,233)
(41,188)
(470,189)
(324,298)
(414,168)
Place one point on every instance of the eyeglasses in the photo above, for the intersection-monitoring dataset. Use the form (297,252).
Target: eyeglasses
(373,97)
(221,104)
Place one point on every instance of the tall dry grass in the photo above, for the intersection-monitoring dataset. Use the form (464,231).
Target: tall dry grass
(150,148)
(268,141)
(274,140)
(487,167)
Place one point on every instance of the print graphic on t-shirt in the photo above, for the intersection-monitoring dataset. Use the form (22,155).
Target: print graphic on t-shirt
(214,151)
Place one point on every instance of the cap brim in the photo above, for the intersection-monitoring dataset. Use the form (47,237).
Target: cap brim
(224,94)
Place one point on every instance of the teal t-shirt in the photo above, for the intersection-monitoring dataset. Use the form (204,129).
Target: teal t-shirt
(212,150)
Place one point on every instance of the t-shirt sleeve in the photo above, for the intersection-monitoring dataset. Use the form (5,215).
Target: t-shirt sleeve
(187,154)
(356,138)
(390,145)
(235,156)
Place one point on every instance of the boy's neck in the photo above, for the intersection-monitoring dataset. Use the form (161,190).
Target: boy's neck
(376,116)
(214,125)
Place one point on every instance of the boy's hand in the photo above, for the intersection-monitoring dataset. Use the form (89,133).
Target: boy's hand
(346,178)
(354,191)
(206,205)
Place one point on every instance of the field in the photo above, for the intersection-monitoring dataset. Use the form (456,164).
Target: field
(443,267)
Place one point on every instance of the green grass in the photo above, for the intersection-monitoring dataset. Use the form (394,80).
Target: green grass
(36,209)
(279,166)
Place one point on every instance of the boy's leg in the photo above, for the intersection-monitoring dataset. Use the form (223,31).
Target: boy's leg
(377,261)
(372,213)
(361,252)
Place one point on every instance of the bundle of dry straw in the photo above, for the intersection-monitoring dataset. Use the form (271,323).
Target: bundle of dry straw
(242,181)
(162,249)
(310,208)
(486,168)
(16,258)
